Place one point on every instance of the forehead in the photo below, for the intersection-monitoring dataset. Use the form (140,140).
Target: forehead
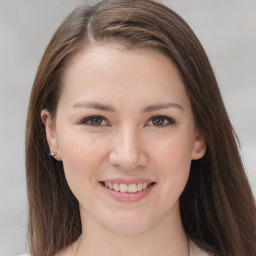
(114,55)
(111,71)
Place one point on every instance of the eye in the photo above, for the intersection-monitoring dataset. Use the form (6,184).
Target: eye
(161,121)
(95,121)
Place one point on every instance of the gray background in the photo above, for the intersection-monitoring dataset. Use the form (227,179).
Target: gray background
(227,30)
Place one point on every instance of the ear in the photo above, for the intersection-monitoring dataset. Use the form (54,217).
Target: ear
(51,135)
(199,146)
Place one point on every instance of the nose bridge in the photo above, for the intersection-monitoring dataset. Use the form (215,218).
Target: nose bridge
(127,150)
(129,139)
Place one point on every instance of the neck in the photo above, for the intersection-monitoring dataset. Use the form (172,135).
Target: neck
(167,238)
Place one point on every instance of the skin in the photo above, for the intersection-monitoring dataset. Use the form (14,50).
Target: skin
(127,143)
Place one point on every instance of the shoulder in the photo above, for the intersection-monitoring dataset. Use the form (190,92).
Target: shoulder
(26,254)
(196,251)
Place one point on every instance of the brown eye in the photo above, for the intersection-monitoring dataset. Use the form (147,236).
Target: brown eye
(161,121)
(95,121)
(158,121)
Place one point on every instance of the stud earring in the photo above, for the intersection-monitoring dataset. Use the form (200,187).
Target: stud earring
(53,154)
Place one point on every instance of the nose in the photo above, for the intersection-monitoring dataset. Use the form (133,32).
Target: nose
(127,151)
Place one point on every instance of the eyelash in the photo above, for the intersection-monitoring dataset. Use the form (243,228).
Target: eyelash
(170,121)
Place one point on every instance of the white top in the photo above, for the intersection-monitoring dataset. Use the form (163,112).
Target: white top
(194,251)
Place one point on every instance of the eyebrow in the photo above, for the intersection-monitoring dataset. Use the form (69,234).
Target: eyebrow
(94,105)
(100,106)
(162,106)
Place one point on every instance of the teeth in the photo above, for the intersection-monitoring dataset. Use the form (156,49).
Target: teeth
(139,186)
(116,187)
(132,188)
(124,188)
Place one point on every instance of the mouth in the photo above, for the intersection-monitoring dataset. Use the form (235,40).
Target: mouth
(127,188)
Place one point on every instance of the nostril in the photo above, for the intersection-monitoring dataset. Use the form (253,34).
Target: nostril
(127,159)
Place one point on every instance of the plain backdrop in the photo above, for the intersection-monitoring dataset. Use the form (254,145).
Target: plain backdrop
(227,30)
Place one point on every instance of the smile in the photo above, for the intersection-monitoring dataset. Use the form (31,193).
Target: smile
(127,188)
(127,191)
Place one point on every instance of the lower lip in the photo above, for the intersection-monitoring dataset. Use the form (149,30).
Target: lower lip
(128,197)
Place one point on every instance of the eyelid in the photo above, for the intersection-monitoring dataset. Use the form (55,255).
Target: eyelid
(88,118)
(170,120)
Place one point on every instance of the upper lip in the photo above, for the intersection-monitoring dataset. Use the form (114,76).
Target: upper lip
(127,181)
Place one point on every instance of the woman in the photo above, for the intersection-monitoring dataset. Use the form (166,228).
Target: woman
(143,158)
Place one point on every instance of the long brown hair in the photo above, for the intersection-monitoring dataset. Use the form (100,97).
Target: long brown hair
(217,206)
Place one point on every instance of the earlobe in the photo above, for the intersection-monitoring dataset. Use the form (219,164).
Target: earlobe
(199,147)
(51,134)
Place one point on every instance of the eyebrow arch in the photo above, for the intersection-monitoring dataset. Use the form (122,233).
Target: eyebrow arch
(94,105)
(100,106)
(162,106)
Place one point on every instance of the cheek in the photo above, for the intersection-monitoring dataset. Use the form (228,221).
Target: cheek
(173,159)
(174,152)
(81,155)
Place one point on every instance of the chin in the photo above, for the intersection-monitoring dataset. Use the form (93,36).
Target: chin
(130,224)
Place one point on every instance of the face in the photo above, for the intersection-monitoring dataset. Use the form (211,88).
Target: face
(124,122)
